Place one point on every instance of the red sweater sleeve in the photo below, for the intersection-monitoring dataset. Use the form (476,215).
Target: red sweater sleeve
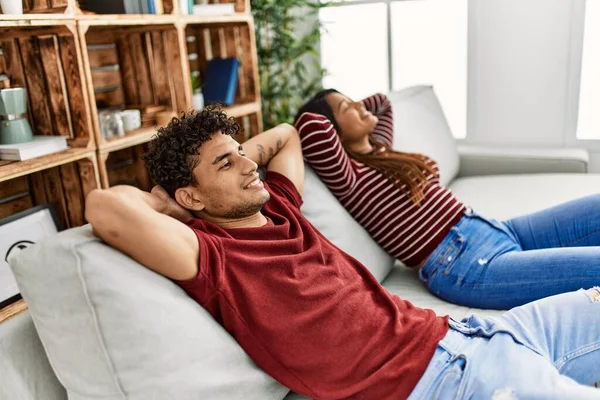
(381,107)
(324,153)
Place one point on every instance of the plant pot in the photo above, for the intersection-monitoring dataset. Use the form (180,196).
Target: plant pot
(198,101)
(11,6)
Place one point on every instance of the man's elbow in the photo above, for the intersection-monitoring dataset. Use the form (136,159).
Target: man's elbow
(98,204)
(93,203)
(288,129)
(294,139)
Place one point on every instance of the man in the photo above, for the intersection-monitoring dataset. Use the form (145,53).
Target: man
(310,315)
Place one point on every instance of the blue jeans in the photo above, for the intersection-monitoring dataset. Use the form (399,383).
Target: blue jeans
(486,263)
(548,349)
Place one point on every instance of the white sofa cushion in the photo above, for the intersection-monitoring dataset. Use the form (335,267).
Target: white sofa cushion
(420,126)
(113,329)
(325,212)
(24,369)
(507,196)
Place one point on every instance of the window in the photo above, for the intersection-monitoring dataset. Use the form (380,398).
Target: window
(385,45)
(354,49)
(588,121)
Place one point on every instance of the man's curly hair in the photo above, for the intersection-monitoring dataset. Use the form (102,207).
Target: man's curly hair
(173,152)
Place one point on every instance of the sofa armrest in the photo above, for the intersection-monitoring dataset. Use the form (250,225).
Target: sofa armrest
(482,160)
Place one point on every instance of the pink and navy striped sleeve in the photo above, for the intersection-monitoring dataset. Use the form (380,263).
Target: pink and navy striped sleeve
(323,151)
(381,107)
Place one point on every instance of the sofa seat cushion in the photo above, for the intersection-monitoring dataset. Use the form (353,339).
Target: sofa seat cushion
(113,329)
(507,196)
(404,282)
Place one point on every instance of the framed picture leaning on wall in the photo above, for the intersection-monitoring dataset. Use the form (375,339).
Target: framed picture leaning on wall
(18,232)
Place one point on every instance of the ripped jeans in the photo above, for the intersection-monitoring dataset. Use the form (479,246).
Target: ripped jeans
(548,349)
(486,263)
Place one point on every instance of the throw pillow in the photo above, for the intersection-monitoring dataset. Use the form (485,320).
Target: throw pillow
(113,329)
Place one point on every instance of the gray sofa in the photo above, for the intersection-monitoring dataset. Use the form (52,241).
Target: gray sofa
(112,329)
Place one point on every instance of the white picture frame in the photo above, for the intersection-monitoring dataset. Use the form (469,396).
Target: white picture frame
(18,232)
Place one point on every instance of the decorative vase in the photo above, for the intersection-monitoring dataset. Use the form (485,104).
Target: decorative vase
(11,6)
(14,126)
(198,101)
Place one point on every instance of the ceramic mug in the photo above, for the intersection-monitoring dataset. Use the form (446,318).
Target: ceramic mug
(11,6)
(132,119)
(111,124)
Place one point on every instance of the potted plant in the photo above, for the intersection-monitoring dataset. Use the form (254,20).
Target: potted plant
(285,55)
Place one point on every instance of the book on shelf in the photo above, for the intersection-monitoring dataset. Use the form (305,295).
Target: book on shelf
(37,147)
(159,7)
(144,6)
(221,80)
(214,9)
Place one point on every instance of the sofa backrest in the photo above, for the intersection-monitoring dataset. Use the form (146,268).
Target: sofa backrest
(326,213)
(420,126)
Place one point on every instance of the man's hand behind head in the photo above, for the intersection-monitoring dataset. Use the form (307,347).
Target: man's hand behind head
(171,207)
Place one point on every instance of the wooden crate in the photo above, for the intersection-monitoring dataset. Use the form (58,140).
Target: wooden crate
(134,66)
(126,167)
(48,6)
(232,40)
(64,186)
(208,41)
(47,62)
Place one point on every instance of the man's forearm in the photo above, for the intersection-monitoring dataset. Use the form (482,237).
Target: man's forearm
(138,196)
(103,204)
(264,147)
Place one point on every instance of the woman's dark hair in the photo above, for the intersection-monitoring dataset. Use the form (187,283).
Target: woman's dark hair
(172,154)
(318,105)
(405,170)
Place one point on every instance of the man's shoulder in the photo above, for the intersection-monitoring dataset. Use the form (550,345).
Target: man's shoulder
(282,187)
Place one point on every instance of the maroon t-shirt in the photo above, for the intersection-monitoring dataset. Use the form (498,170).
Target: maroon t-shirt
(308,314)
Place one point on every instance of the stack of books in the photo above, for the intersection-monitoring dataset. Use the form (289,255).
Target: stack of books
(148,113)
(123,6)
(39,146)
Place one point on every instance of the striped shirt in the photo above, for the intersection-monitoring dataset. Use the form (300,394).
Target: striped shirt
(407,231)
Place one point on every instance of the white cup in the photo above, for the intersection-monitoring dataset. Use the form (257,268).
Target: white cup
(12,6)
(132,119)
(198,101)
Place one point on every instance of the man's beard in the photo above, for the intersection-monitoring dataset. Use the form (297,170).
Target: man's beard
(247,210)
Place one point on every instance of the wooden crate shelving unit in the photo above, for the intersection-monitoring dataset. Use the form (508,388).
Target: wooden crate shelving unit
(73,62)
(45,58)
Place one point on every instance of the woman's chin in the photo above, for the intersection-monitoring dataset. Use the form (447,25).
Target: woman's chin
(372,120)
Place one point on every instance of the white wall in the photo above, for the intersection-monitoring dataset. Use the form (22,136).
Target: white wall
(520,80)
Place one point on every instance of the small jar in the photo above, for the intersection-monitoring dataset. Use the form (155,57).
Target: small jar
(111,124)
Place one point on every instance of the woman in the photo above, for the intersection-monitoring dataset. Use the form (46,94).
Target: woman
(460,255)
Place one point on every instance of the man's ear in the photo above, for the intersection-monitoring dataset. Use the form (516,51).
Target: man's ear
(189,198)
